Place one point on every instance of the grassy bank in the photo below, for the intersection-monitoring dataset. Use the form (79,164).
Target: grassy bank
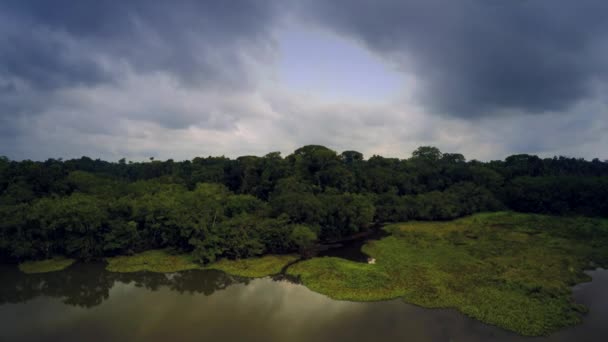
(254,267)
(164,262)
(511,270)
(160,261)
(44,266)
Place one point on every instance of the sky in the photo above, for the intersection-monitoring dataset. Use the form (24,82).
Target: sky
(179,79)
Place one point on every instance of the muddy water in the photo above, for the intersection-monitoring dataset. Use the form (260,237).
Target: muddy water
(87,303)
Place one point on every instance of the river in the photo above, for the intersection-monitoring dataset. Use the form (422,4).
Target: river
(87,303)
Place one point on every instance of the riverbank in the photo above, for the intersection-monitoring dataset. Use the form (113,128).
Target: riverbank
(44,266)
(162,261)
(512,270)
(507,269)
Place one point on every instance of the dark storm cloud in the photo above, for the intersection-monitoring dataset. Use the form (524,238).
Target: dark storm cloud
(51,50)
(50,44)
(183,78)
(483,57)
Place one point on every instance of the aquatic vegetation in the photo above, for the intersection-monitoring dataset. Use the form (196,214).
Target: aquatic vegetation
(162,261)
(153,261)
(254,267)
(44,266)
(511,270)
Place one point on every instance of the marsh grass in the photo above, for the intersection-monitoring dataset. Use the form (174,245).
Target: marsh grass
(507,269)
(44,266)
(158,260)
(254,267)
(162,261)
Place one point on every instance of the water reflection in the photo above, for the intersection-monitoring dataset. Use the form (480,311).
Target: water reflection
(87,303)
(88,285)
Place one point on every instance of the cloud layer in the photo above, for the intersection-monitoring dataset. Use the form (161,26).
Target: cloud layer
(62,43)
(186,78)
(479,58)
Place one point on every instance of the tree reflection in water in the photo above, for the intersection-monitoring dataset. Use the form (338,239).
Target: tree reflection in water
(88,285)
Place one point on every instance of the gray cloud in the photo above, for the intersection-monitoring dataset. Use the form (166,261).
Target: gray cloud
(62,43)
(52,52)
(180,79)
(483,57)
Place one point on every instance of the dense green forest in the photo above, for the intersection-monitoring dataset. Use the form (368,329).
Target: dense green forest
(235,208)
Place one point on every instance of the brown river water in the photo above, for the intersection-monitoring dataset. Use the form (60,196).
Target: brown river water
(87,303)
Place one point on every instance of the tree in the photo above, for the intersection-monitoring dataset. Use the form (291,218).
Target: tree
(428,153)
(297,200)
(239,238)
(345,214)
(274,234)
(74,225)
(350,157)
(307,161)
(244,204)
(453,158)
(304,238)
(220,207)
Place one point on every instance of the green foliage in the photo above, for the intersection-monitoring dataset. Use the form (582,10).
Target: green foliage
(274,234)
(240,204)
(350,157)
(428,153)
(239,238)
(297,200)
(78,221)
(207,249)
(559,195)
(458,200)
(16,240)
(216,207)
(161,261)
(18,192)
(311,159)
(303,237)
(254,267)
(511,270)
(164,261)
(89,183)
(345,214)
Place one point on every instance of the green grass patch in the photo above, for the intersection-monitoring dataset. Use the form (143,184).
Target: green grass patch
(44,266)
(162,261)
(507,269)
(254,267)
